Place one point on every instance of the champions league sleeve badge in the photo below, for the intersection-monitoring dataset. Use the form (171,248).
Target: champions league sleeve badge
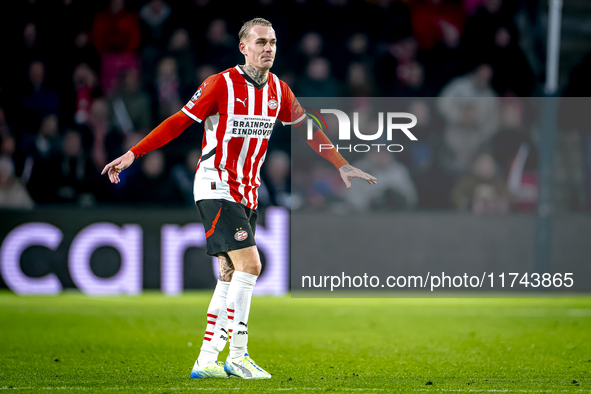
(196,95)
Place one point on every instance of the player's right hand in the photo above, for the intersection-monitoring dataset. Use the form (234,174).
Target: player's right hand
(116,166)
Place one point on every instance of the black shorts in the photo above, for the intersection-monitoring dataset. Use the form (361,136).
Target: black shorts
(228,225)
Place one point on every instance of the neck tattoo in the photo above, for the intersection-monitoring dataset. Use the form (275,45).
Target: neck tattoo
(257,75)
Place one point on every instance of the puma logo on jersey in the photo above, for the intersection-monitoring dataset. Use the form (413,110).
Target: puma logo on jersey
(242,101)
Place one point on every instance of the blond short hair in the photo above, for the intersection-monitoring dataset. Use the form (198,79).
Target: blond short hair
(244,32)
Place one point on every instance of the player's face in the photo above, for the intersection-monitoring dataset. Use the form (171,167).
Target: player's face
(260,48)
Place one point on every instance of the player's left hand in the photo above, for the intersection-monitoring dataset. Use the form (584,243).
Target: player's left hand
(349,172)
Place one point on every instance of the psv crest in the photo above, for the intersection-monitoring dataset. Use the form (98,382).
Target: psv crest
(273,104)
(240,235)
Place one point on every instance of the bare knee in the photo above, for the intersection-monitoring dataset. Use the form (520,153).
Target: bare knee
(254,267)
(246,260)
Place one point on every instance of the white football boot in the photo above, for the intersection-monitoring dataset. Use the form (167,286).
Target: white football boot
(244,367)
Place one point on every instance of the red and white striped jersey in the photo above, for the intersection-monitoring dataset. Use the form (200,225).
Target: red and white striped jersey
(239,118)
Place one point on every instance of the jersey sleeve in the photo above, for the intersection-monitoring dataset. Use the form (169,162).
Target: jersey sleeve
(162,134)
(204,102)
(291,112)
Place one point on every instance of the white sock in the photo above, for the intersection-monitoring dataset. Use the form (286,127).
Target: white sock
(238,304)
(216,333)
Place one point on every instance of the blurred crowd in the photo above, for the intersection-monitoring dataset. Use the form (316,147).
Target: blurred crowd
(81,82)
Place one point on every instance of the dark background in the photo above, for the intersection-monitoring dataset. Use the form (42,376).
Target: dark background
(83,81)
(67,64)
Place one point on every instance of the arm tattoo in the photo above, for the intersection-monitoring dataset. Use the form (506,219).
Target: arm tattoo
(347,168)
(257,75)
(226,268)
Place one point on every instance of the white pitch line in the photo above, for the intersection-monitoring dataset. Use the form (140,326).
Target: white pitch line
(286,389)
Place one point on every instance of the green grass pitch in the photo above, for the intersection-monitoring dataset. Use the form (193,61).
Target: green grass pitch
(149,343)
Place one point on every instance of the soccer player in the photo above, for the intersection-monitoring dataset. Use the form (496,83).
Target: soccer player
(239,107)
